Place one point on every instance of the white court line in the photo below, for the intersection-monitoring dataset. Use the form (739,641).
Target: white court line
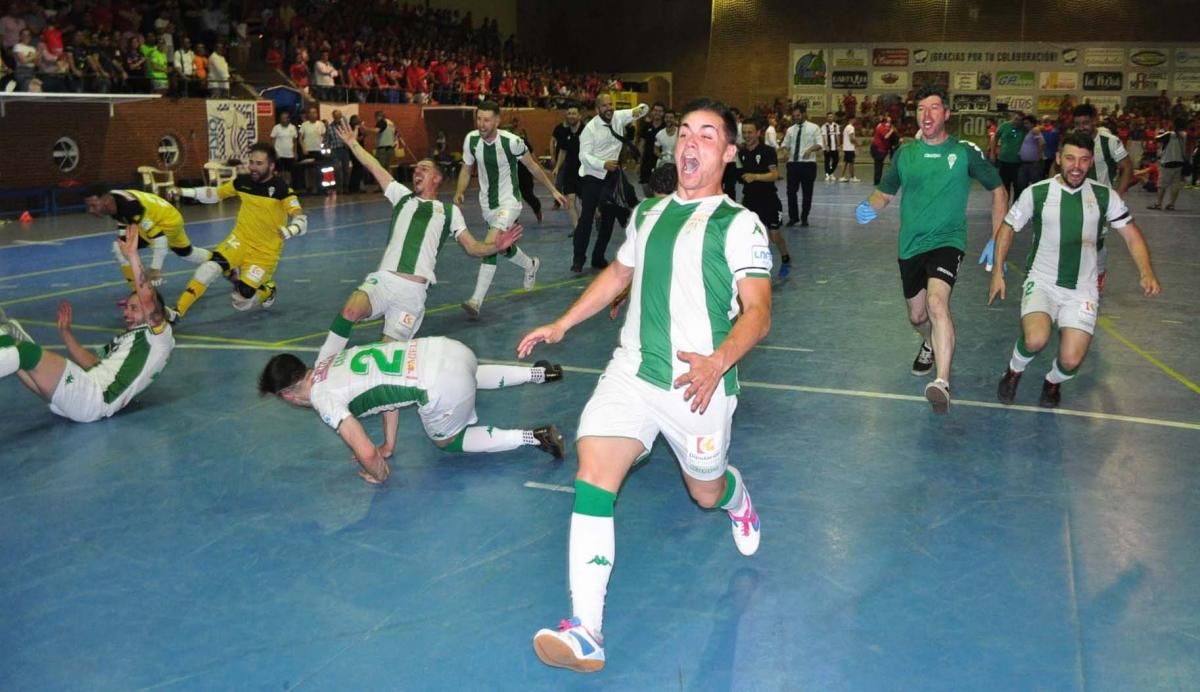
(550,486)
(797,349)
(36,242)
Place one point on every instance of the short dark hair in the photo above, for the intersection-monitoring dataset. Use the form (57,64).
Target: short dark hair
(755,121)
(1084,110)
(96,190)
(664,179)
(802,107)
(281,372)
(1078,139)
(267,149)
(933,90)
(659,104)
(437,165)
(718,108)
(1030,118)
(1180,124)
(490,106)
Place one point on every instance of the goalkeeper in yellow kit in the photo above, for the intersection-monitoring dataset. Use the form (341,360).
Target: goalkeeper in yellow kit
(159,227)
(269,215)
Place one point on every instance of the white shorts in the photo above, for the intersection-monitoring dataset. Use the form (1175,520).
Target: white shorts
(624,405)
(1068,307)
(79,397)
(400,301)
(451,405)
(503,216)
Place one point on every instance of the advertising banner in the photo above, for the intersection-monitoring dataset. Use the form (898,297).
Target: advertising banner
(921,79)
(1058,81)
(1104,57)
(850,79)
(971,103)
(232,129)
(1147,81)
(850,57)
(1016,79)
(889,79)
(808,67)
(1102,81)
(889,57)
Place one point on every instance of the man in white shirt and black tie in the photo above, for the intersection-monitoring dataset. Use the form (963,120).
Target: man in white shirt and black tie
(600,144)
(831,143)
(801,143)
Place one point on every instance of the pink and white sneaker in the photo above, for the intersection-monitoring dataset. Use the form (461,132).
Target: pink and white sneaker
(746,528)
(572,647)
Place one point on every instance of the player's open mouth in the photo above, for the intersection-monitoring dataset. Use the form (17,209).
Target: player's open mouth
(691,164)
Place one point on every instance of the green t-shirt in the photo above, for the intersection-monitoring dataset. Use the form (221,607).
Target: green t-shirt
(156,64)
(1008,142)
(936,181)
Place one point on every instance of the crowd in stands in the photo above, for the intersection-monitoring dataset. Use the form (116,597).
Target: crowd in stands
(414,54)
(118,46)
(365,52)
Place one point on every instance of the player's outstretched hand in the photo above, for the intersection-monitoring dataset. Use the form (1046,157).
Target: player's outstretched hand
(346,133)
(998,288)
(458,197)
(988,257)
(864,213)
(64,316)
(375,480)
(129,242)
(1150,285)
(548,333)
(506,238)
(560,198)
(701,379)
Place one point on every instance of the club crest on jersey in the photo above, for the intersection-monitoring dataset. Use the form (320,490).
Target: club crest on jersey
(271,191)
(951,159)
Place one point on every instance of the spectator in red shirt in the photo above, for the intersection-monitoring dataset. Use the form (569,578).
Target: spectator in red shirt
(299,71)
(849,104)
(274,57)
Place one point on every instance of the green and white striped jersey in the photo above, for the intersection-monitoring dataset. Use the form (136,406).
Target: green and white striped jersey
(1066,227)
(373,378)
(496,164)
(687,257)
(130,362)
(418,229)
(1107,153)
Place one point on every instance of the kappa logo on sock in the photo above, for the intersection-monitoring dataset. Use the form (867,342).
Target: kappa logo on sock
(599,560)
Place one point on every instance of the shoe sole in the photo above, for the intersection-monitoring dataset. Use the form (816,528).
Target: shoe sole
(554,652)
(922,373)
(938,399)
(471,310)
(559,450)
(531,277)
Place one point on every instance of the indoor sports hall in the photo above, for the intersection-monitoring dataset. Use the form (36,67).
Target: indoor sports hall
(209,538)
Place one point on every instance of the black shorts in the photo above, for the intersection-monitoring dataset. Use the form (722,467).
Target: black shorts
(940,263)
(570,180)
(848,156)
(769,211)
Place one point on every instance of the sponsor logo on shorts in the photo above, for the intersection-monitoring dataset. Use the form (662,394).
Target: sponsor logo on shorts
(599,560)
(255,273)
(946,271)
(703,454)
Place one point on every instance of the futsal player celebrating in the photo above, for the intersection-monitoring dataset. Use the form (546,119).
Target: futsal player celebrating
(1068,212)
(269,215)
(437,375)
(159,226)
(700,269)
(936,173)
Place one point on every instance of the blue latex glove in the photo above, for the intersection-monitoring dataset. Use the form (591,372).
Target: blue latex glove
(988,257)
(865,213)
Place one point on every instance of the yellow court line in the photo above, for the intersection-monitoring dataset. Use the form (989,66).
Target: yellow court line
(449,306)
(224,340)
(56,270)
(1106,324)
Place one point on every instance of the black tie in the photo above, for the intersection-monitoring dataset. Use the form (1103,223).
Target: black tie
(799,129)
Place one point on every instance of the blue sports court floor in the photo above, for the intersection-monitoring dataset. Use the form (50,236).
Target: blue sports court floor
(209,539)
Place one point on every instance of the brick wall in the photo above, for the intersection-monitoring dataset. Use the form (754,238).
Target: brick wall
(110,149)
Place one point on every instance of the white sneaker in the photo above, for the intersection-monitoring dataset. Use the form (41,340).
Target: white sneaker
(472,309)
(938,395)
(843,180)
(14,329)
(747,530)
(855,180)
(531,273)
(572,647)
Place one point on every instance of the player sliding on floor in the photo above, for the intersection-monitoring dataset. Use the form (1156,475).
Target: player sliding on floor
(437,375)
(159,227)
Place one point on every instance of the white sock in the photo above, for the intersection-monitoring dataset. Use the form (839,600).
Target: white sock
(1056,375)
(501,376)
(198,255)
(738,501)
(480,438)
(10,361)
(334,343)
(1019,362)
(483,282)
(521,259)
(591,555)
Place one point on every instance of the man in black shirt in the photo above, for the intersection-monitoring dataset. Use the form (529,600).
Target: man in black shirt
(647,131)
(565,152)
(758,172)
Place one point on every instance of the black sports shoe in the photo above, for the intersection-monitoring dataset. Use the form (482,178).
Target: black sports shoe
(1007,391)
(551,441)
(924,361)
(553,372)
(1050,394)
(577,268)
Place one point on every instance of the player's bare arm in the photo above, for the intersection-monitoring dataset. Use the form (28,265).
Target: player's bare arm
(376,169)
(142,284)
(374,469)
(82,356)
(1004,240)
(464,179)
(499,242)
(1140,252)
(540,173)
